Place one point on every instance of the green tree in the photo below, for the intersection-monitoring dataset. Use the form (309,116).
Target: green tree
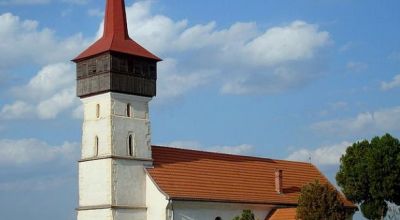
(369,175)
(320,201)
(246,215)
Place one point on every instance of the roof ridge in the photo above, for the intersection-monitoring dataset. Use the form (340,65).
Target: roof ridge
(234,155)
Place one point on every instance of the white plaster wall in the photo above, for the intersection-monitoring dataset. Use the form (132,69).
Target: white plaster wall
(139,130)
(113,127)
(93,126)
(138,125)
(98,214)
(106,181)
(95,182)
(156,201)
(129,183)
(129,214)
(209,211)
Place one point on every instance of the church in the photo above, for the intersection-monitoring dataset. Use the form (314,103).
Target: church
(123,177)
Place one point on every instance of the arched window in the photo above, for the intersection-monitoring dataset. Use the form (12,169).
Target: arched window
(218,218)
(98,111)
(96,146)
(128,110)
(131,145)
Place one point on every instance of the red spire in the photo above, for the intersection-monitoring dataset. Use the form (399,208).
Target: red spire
(115,36)
(115,20)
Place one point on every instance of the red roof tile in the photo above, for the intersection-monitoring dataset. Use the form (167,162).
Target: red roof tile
(196,175)
(115,36)
(283,214)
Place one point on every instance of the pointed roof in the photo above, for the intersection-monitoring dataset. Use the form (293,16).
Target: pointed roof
(115,36)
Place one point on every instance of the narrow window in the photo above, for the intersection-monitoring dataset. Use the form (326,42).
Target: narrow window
(130,145)
(96,146)
(128,110)
(98,111)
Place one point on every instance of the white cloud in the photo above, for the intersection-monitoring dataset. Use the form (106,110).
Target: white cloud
(173,82)
(392,84)
(50,108)
(77,113)
(257,60)
(384,120)
(48,81)
(25,42)
(242,149)
(325,155)
(17,110)
(50,92)
(296,41)
(33,151)
(52,89)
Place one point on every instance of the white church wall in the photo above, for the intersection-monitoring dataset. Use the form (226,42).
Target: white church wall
(113,126)
(96,126)
(95,182)
(118,181)
(184,210)
(98,214)
(91,130)
(138,105)
(137,125)
(130,214)
(140,133)
(156,201)
(129,183)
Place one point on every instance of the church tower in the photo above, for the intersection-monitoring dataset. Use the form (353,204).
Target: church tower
(116,79)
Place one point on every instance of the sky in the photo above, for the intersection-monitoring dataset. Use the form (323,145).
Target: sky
(289,79)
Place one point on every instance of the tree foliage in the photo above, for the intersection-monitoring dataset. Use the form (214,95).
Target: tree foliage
(246,215)
(320,201)
(369,175)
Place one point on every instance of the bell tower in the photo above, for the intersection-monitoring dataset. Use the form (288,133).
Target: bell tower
(116,79)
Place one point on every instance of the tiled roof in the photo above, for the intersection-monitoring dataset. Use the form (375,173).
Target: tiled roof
(204,176)
(283,214)
(115,36)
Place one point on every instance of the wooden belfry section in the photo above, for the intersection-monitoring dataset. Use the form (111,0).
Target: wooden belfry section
(116,63)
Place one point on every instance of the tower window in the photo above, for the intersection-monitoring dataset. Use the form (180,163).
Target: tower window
(131,145)
(96,146)
(98,111)
(128,110)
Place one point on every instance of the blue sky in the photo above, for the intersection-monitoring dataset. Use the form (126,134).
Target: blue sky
(279,79)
